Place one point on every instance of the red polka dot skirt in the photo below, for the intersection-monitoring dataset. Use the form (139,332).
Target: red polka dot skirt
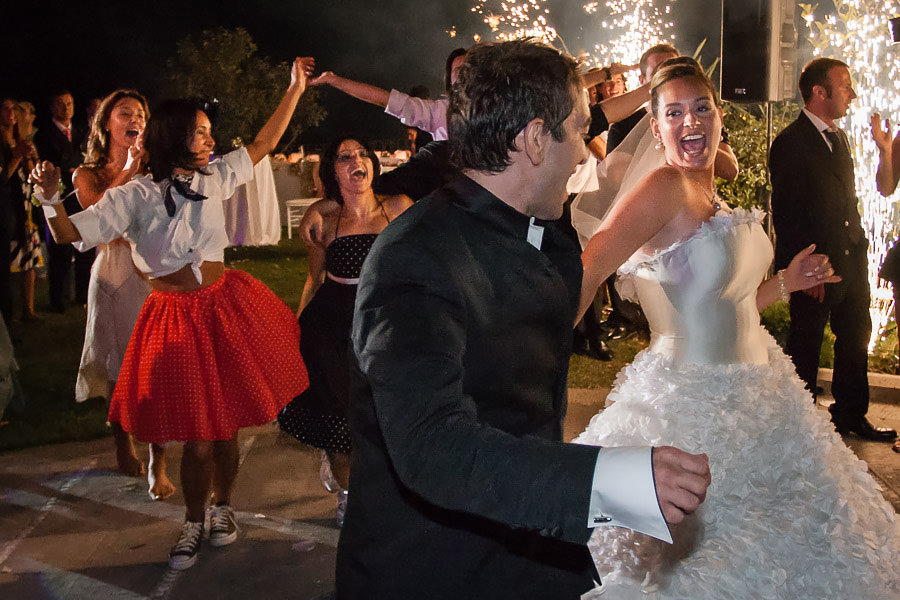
(200,365)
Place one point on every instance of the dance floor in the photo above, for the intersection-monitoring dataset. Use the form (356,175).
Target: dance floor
(71,528)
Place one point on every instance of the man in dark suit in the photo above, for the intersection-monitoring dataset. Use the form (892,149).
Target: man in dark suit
(460,486)
(814,202)
(60,141)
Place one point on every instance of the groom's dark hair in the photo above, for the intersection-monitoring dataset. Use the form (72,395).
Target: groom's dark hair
(499,90)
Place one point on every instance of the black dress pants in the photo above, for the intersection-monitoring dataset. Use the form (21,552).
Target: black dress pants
(851,324)
(61,259)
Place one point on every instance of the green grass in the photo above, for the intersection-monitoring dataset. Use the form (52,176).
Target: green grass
(49,351)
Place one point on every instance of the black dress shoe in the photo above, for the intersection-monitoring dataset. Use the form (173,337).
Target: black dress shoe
(866,430)
(600,350)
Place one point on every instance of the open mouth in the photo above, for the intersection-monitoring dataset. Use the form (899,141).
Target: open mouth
(693,144)
(359,174)
(132,133)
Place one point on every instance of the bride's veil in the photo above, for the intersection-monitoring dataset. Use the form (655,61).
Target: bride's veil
(616,175)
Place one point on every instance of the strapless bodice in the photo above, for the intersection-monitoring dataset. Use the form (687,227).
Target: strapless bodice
(699,295)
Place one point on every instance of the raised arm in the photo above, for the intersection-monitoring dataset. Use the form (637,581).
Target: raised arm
(46,177)
(361,91)
(726,165)
(623,106)
(271,132)
(888,156)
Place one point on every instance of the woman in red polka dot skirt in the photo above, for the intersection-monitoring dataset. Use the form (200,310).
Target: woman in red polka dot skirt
(319,416)
(213,350)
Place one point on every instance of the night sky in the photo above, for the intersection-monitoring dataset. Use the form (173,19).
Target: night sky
(92,48)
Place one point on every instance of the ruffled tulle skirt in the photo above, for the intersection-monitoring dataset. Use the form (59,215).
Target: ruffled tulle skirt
(201,365)
(791,512)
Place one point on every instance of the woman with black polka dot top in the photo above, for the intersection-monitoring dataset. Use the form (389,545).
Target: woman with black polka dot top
(318,417)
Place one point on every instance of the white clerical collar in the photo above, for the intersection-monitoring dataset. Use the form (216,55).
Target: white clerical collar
(535,234)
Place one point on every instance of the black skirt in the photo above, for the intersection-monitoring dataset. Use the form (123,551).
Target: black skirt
(318,416)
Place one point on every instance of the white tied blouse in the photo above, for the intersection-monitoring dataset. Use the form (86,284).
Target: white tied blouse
(161,244)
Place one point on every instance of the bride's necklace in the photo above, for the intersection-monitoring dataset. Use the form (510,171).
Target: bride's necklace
(713,197)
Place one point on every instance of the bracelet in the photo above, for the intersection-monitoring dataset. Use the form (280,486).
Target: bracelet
(39,196)
(782,288)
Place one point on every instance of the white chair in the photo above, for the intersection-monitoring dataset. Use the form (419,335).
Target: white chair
(295,210)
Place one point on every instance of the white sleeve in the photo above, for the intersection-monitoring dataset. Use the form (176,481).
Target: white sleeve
(107,219)
(230,171)
(623,493)
(427,115)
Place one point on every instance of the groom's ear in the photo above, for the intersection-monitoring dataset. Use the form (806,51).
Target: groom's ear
(533,141)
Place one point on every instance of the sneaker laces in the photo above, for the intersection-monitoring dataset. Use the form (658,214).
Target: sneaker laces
(190,537)
(221,517)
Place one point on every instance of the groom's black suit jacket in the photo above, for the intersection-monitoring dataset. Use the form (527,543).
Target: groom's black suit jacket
(460,487)
(814,201)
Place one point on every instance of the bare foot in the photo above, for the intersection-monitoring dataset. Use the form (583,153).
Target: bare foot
(129,464)
(160,485)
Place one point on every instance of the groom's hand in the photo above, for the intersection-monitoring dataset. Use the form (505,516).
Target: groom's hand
(681,481)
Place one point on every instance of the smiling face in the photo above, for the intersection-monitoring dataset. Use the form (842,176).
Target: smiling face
(353,168)
(7,114)
(841,94)
(688,123)
(126,122)
(561,160)
(200,141)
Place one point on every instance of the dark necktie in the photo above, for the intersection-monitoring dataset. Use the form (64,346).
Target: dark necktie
(838,147)
(182,188)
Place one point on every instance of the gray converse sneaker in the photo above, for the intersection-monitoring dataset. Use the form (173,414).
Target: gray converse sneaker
(183,554)
(223,528)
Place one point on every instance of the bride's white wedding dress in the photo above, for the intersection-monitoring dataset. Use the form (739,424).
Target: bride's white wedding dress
(791,512)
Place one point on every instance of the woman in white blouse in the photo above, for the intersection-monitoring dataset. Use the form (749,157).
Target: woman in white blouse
(213,350)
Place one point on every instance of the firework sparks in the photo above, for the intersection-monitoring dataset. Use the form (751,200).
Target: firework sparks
(630,27)
(514,20)
(859,36)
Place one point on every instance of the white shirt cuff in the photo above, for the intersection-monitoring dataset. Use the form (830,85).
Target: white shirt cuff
(395,103)
(623,493)
(39,194)
(88,226)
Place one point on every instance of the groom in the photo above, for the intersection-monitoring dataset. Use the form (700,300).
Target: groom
(461,486)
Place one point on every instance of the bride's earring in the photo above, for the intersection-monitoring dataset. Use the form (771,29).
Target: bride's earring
(658,145)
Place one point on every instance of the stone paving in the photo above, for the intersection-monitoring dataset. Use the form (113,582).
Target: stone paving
(71,528)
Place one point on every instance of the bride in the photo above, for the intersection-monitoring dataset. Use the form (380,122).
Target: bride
(791,512)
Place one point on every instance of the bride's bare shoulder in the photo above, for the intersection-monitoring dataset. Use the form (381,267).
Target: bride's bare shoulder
(660,189)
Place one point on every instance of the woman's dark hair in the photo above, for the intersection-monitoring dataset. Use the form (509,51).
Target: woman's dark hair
(326,168)
(167,134)
(501,88)
(679,67)
(448,67)
(98,141)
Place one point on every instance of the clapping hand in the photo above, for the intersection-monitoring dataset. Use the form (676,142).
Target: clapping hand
(809,273)
(882,137)
(45,175)
(136,154)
